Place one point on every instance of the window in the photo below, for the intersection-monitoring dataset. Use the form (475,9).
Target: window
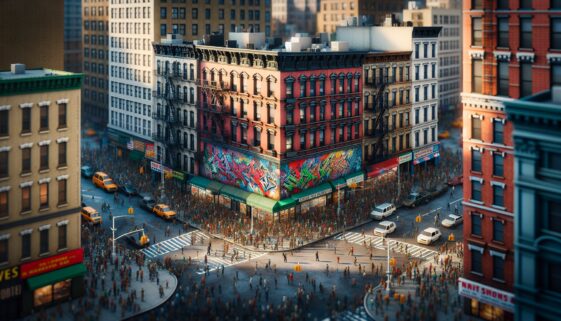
(498,195)
(62,116)
(256,137)
(289,88)
(270,141)
(25,160)
(526,33)
(26,245)
(194,29)
(476,127)
(312,139)
(503,78)
(525,79)
(256,111)
(526,4)
(163,13)
(498,231)
(26,120)
(498,267)
(476,191)
(62,192)
(44,157)
(477,4)
(4,251)
(26,199)
(62,154)
(195,13)
(417,72)
(302,114)
(555,33)
(417,139)
(475,160)
(44,195)
(503,38)
(550,276)
(502,4)
(498,165)
(477,32)
(322,137)
(476,224)
(477,76)
(476,261)
(163,28)
(555,75)
(44,118)
(302,140)
(4,208)
(553,213)
(498,131)
(44,241)
(270,114)
(289,144)
(417,51)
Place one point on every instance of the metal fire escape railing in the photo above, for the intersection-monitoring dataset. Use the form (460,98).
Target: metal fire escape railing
(168,116)
(216,92)
(380,129)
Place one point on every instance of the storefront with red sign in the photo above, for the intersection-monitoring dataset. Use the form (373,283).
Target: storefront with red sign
(486,302)
(52,279)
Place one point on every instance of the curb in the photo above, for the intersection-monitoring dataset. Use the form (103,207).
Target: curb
(364,302)
(158,304)
(278,251)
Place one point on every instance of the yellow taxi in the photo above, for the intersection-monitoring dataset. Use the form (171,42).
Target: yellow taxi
(90,215)
(164,211)
(103,181)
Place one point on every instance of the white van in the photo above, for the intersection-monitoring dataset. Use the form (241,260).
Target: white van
(382,211)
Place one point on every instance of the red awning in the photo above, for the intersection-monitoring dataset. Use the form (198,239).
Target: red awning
(382,167)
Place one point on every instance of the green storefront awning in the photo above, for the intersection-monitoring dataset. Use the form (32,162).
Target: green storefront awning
(313,192)
(261,202)
(344,181)
(339,183)
(235,193)
(206,183)
(56,276)
(136,155)
(285,204)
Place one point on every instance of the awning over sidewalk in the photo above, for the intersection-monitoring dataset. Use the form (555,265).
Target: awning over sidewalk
(285,204)
(382,167)
(345,181)
(206,183)
(261,202)
(235,193)
(313,192)
(56,276)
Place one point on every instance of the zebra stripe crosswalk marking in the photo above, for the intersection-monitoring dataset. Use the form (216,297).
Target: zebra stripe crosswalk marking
(214,263)
(173,244)
(378,242)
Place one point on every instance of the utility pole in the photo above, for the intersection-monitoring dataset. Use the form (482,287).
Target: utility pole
(388,272)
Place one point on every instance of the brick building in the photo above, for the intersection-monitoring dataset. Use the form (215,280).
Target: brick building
(511,49)
(278,130)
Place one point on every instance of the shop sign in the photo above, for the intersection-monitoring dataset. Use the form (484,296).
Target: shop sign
(51,263)
(138,145)
(314,195)
(130,144)
(179,175)
(149,152)
(355,180)
(426,153)
(10,283)
(405,158)
(382,167)
(486,294)
(157,167)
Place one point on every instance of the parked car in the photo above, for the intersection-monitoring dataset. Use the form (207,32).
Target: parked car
(147,202)
(382,211)
(128,190)
(416,198)
(384,228)
(428,236)
(452,220)
(458,180)
(90,215)
(102,180)
(138,240)
(87,171)
(163,211)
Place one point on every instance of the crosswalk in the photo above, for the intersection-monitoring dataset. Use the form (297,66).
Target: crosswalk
(234,256)
(358,315)
(174,244)
(378,242)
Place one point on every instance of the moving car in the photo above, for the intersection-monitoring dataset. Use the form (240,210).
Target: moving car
(458,180)
(87,171)
(452,220)
(102,180)
(147,202)
(90,215)
(416,198)
(128,190)
(384,228)
(382,211)
(164,211)
(429,235)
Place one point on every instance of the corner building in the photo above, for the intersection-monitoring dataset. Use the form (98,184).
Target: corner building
(40,253)
(511,50)
(278,129)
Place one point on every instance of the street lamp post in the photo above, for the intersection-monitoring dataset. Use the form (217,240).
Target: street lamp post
(113,229)
(388,272)
(338,202)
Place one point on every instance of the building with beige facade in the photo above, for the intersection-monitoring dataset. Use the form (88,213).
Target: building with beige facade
(33,40)
(40,254)
(294,16)
(333,13)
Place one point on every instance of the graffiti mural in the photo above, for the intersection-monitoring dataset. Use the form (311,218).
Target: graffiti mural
(299,175)
(242,170)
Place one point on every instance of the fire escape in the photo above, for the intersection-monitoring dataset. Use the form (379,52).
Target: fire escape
(167,118)
(213,108)
(380,126)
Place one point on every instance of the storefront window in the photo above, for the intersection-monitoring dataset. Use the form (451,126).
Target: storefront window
(43,296)
(306,206)
(486,311)
(62,289)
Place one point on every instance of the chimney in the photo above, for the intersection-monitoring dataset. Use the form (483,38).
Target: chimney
(18,69)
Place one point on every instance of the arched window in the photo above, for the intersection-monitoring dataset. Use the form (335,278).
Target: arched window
(166,71)
(192,95)
(191,72)
(184,93)
(184,71)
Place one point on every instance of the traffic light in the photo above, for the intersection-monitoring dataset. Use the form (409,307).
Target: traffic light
(451,237)
(418,218)
(131,210)
(392,262)
(297,268)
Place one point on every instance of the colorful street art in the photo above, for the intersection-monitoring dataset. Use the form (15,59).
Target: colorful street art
(305,173)
(242,170)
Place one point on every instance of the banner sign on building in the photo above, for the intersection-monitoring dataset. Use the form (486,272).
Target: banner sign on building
(52,263)
(10,283)
(486,294)
(426,153)
(405,158)
(138,145)
(178,175)
(157,167)
(130,144)
(149,151)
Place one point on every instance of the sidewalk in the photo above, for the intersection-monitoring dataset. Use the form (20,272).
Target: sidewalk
(105,299)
